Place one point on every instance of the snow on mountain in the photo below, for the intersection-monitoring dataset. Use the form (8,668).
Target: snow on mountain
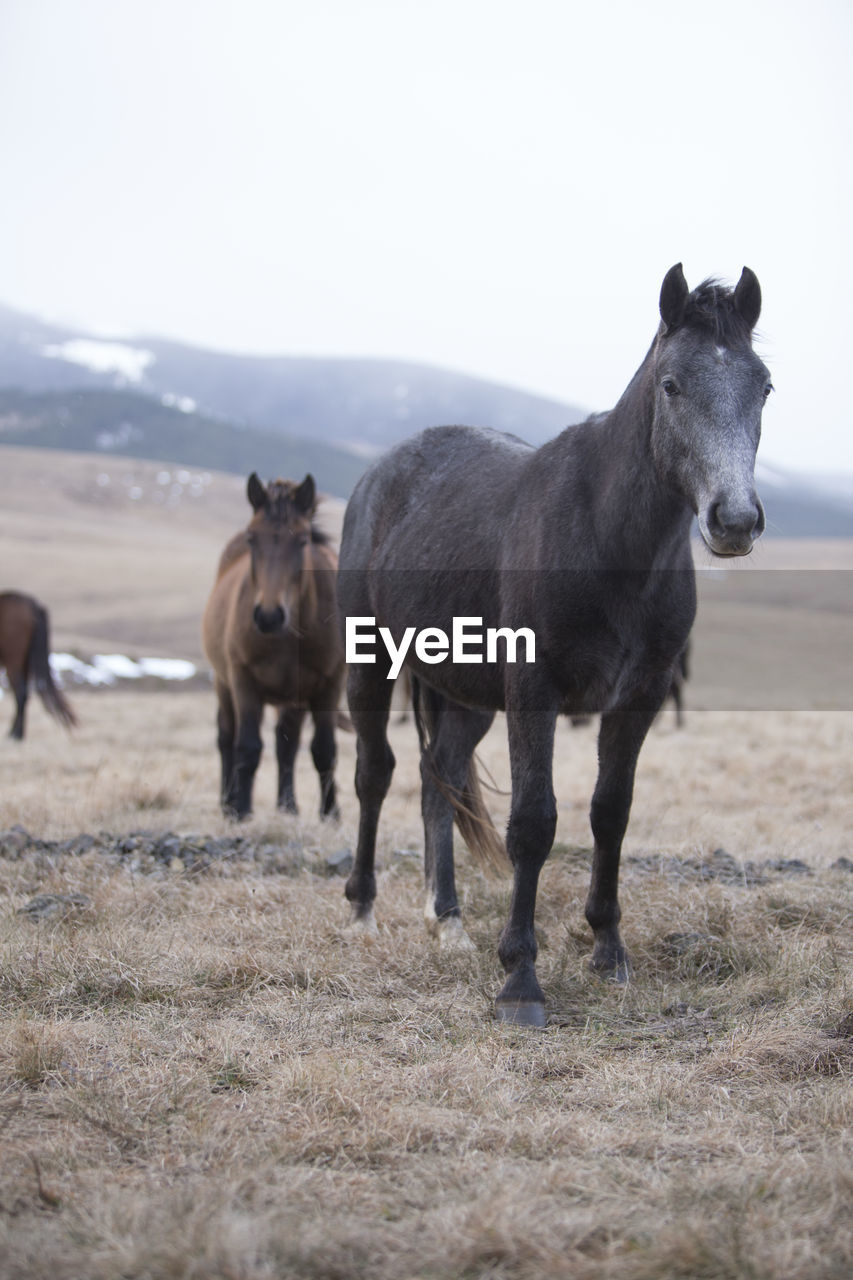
(128,362)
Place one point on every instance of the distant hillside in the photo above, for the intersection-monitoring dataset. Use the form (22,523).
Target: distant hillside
(126,424)
(359,405)
(288,415)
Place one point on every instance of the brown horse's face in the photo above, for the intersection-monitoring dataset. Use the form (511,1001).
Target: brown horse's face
(279,535)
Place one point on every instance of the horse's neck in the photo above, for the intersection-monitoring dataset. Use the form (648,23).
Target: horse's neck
(237,547)
(638,519)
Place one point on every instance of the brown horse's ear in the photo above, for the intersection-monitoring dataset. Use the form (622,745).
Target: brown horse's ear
(305,497)
(747,297)
(673,296)
(256,492)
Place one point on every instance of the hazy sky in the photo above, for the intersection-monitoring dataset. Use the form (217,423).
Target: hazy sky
(495,187)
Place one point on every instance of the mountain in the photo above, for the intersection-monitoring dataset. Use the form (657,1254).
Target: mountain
(126,424)
(362,406)
(285,415)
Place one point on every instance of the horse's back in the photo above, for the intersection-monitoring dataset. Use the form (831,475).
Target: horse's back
(454,477)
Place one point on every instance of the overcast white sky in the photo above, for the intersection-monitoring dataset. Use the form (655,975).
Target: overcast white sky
(490,186)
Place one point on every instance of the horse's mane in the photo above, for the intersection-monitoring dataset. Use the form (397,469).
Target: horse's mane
(710,307)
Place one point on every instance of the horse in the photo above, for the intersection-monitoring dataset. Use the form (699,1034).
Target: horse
(271,636)
(25,654)
(585,543)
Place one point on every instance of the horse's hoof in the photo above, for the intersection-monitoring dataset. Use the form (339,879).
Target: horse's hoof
(233,815)
(618,971)
(362,924)
(452,935)
(449,930)
(520,1013)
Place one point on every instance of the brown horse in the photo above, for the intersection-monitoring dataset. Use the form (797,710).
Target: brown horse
(270,633)
(25,653)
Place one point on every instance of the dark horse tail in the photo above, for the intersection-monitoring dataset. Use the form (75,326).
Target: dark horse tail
(38,670)
(469,810)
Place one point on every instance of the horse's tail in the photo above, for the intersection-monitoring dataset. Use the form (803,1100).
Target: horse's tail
(38,670)
(469,810)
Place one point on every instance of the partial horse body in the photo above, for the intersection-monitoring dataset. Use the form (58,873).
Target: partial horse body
(25,654)
(585,541)
(270,633)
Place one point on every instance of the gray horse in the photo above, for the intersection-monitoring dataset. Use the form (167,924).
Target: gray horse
(584,542)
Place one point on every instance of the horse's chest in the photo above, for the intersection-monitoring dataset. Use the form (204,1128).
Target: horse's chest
(281,673)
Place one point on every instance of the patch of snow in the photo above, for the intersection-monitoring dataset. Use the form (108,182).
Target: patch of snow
(108,668)
(185,404)
(102,357)
(124,434)
(167,668)
(117,665)
(65,664)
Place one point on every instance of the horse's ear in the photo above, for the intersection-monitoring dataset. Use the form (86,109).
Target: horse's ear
(747,297)
(256,492)
(305,497)
(673,296)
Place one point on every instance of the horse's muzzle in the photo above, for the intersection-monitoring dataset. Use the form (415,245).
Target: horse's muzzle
(269,621)
(730,528)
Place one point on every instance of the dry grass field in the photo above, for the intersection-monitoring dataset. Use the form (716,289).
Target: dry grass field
(203,1075)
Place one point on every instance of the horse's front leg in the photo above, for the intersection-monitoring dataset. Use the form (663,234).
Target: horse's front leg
(531,718)
(247,748)
(620,738)
(287,730)
(225,730)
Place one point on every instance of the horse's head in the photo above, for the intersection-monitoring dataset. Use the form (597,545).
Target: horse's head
(709,388)
(278,535)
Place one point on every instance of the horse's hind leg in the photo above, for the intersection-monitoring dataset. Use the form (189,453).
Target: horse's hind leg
(369,698)
(620,738)
(445,762)
(20,688)
(287,730)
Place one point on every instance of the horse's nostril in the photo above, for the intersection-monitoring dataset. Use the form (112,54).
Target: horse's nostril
(268,621)
(715,523)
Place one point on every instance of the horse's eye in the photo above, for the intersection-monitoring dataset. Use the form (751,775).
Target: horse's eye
(670,389)
(768,389)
